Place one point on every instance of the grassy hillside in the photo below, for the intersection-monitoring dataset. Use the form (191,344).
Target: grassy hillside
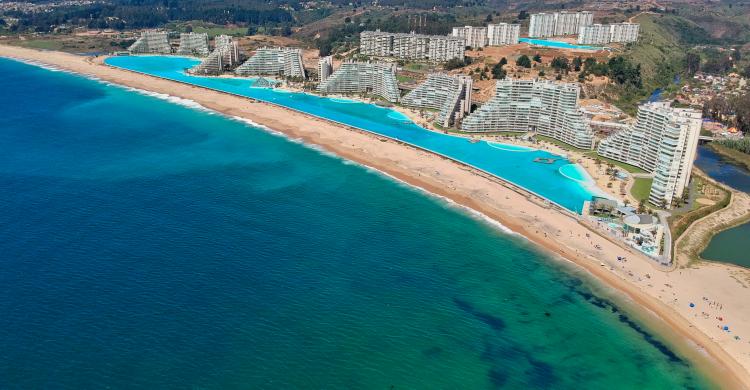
(660,51)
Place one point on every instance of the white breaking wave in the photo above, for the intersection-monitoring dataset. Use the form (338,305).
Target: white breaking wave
(512,148)
(449,202)
(197,106)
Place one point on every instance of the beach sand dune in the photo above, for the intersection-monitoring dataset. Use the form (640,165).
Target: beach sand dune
(663,296)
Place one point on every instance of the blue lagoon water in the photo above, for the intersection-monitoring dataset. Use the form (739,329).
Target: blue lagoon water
(150,245)
(543,179)
(728,246)
(556,44)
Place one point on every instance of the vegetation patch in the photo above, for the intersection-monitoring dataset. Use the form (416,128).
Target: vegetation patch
(737,151)
(641,188)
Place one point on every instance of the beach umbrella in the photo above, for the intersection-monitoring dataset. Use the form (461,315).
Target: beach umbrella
(726,327)
(692,304)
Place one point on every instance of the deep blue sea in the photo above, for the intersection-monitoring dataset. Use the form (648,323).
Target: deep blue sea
(146,244)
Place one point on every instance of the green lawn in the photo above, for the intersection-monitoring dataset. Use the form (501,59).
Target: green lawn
(44,44)
(211,29)
(404,79)
(415,66)
(641,188)
(627,167)
(559,143)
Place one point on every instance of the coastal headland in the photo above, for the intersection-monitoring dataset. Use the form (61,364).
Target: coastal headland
(693,303)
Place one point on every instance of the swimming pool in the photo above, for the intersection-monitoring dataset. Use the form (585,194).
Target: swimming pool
(557,44)
(503,161)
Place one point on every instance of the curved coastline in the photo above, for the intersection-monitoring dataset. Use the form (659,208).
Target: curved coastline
(731,373)
(591,189)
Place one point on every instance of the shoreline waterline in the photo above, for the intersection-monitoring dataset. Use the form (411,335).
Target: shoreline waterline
(517,226)
(570,195)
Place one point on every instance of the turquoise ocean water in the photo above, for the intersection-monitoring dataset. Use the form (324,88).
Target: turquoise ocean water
(506,161)
(151,245)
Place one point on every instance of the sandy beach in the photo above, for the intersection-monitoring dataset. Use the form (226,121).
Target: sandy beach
(719,293)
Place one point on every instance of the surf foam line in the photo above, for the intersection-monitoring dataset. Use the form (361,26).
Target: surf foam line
(506,182)
(523,149)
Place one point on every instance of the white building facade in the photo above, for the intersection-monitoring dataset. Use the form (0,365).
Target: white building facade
(151,42)
(596,34)
(225,56)
(193,44)
(545,107)
(663,141)
(475,37)
(363,78)
(503,34)
(543,25)
(437,48)
(325,68)
(600,34)
(624,32)
(278,61)
(449,95)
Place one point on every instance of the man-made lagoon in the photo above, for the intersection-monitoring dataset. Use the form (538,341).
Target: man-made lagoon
(503,161)
(556,44)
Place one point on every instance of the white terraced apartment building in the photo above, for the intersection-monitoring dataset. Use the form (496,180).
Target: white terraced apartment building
(545,107)
(599,34)
(363,78)
(437,48)
(503,34)
(624,32)
(279,61)
(544,25)
(449,95)
(151,42)
(663,141)
(596,34)
(475,37)
(325,68)
(225,56)
(193,44)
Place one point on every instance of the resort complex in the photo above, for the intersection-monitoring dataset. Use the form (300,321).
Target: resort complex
(543,25)
(363,78)
(151,42)
(225,56)
(450,96)
(279,61)
(599,34)
(193,44)
(435,48)
(547,108)
(491,35)
(663,141)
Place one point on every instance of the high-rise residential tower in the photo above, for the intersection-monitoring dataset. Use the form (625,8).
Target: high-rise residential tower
(437,48)
(279,61)
(663,141)
(325,68)
(475,37)
(151,42)
(503,34)
(545,107)
(193,44)
(363,78)
(544,25)
(449,95)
